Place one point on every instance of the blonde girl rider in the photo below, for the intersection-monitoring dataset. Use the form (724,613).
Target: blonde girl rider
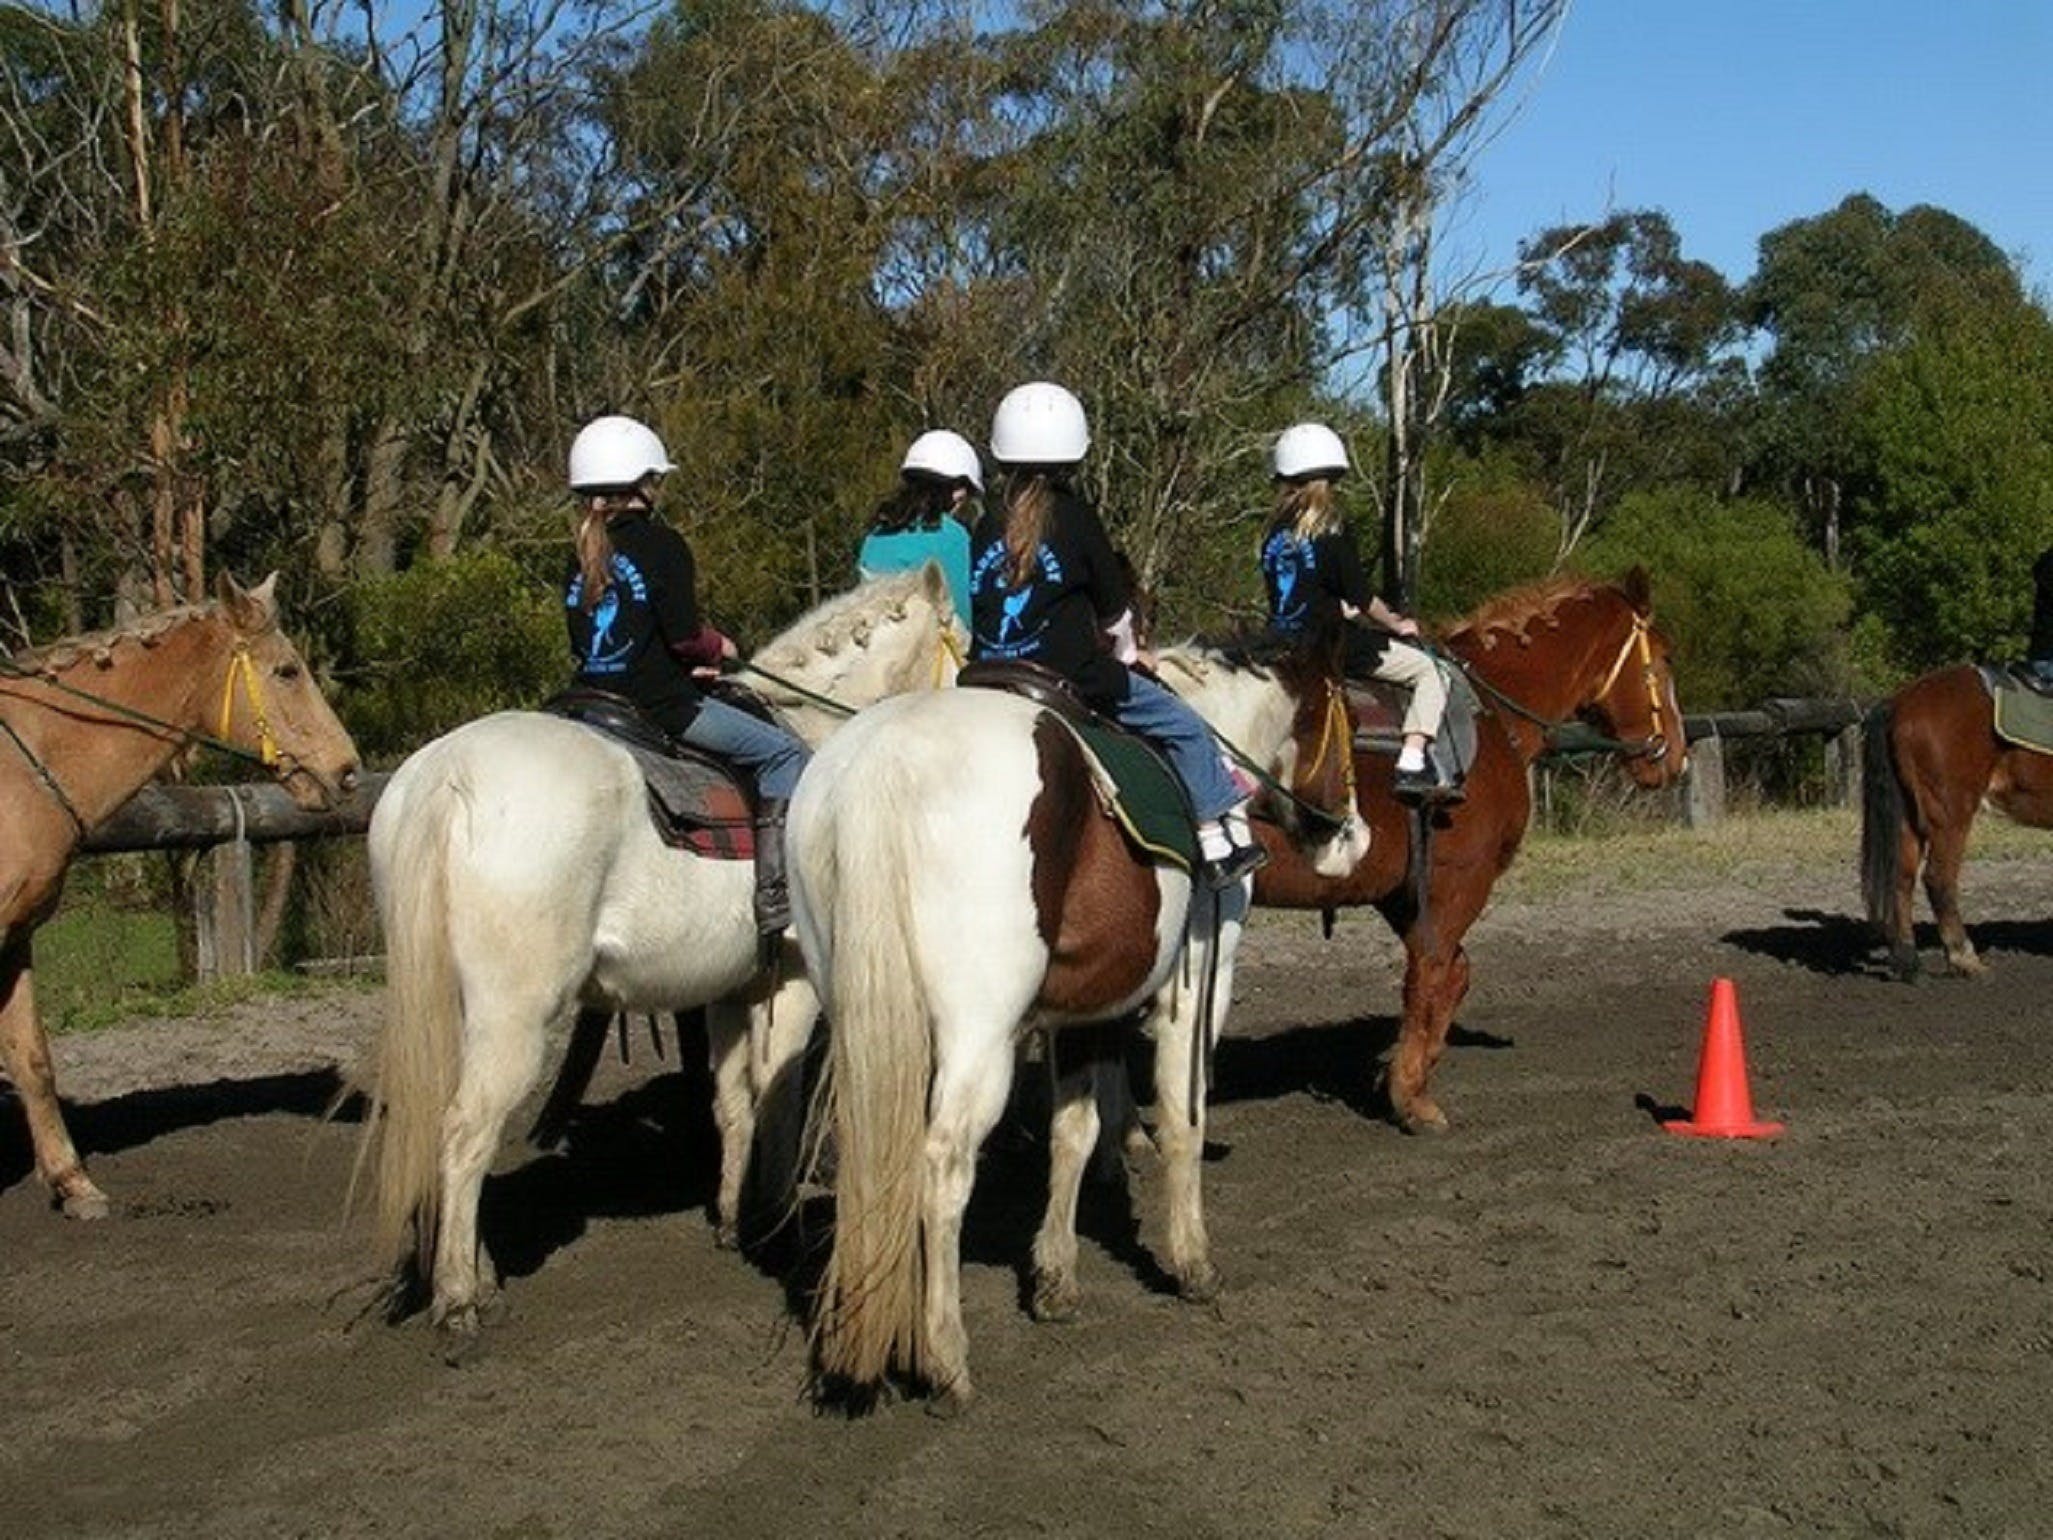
(1313,571)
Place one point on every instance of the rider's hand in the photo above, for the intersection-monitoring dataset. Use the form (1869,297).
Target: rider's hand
(728,649)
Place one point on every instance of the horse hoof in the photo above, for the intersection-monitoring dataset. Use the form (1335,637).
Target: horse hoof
(1199,1285)
(1967,967)
(1056,1301)
(952,1400)
(459,1339)
(726,1237)
(1422,1118)
(90,1204)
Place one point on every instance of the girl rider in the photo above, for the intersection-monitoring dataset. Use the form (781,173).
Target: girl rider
(631,600)
(1045,586)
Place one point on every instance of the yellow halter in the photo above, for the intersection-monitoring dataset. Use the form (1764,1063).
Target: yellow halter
(242,666)
(1657,740)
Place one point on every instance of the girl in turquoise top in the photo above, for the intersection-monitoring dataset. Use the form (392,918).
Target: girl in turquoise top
(927,518)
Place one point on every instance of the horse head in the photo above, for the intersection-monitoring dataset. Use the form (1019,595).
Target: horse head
(1570,648)
(1634,697)
(894,633)
(271,704)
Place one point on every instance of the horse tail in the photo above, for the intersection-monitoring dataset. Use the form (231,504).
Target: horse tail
(859,861)
(416,1059)
(1884,814)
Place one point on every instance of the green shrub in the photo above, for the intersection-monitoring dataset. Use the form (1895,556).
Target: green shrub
(1751,610)
(448,641)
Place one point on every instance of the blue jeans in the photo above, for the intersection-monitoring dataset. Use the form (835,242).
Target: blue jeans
(769,754)
(1166,720)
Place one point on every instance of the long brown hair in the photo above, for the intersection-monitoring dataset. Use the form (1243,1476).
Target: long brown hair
(1029,498)
(595,545)
(1307,507)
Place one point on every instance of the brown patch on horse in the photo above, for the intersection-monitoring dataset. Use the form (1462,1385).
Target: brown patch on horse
(1096,903)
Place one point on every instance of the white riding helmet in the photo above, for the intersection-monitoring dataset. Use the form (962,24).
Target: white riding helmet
(1039,424)
(1310,449)
(615,452)
(947,456)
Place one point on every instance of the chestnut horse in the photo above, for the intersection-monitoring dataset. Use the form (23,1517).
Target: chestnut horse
(956,885)
(1931,758)
(83,724)
(1539,656)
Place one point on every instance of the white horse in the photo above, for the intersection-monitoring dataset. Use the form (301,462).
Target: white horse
(955,885)
(519,880)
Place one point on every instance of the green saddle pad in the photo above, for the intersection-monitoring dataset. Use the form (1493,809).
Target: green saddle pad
(2023,716)
(1148,801)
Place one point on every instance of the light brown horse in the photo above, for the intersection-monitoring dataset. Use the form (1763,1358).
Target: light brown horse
(1931,759)
(83,724)
(1540,656)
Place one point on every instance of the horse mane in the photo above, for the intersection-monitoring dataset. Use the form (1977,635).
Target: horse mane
(844,621)
(1513,614)
(146,631)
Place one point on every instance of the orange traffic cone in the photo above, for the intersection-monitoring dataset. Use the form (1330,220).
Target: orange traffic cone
(1725,1108)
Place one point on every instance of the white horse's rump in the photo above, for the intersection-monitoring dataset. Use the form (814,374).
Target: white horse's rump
(952,888)
(519,880)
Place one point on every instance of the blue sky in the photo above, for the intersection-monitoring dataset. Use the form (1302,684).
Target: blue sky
(1736,116)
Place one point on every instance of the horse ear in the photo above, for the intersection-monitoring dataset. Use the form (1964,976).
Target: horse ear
(934,583)
(251,609)
(1638,589)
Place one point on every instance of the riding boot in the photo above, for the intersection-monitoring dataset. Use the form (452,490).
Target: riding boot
(773,893)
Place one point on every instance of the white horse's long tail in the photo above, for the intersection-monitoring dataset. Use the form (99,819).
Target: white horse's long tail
(862,862)
(416,1059)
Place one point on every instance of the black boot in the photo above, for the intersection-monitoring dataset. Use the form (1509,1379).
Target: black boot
(773,893)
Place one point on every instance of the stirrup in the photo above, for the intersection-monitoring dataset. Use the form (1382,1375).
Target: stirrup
(1239,862)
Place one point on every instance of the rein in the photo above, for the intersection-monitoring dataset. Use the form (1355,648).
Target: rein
(240,666)
(1337,728)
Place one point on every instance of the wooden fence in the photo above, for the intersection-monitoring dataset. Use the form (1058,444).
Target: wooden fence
(225,823)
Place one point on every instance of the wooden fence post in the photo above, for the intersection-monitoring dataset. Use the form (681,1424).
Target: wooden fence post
(1703,789)
(225,896)
(1843,767)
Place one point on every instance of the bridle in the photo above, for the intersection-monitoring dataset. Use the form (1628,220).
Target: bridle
(241,666)
(1576,735)
(1655,744)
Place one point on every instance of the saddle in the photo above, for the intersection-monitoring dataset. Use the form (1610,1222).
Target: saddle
(1378,710)
(2021,704)
(696,802)
(1136,788)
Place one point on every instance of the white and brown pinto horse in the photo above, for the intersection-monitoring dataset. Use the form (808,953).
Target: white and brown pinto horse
(520,882)
(955,886)
(83,725)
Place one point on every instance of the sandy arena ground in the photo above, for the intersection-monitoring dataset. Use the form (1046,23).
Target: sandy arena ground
(1557,1320)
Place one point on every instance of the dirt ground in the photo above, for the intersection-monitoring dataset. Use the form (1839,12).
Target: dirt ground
(1556,1320)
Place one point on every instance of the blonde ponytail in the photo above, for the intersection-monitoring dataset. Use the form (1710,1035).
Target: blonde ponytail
(1307,508)
(594,553)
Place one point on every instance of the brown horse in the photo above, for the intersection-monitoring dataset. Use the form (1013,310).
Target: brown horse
(83,724)
(1539,656)
(1931,759)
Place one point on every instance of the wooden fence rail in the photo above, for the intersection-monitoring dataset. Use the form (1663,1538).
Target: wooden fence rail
(226,822)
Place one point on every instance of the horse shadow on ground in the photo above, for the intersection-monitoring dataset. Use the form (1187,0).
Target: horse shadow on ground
(1340,1061)
(137,1118)
(1844,945)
